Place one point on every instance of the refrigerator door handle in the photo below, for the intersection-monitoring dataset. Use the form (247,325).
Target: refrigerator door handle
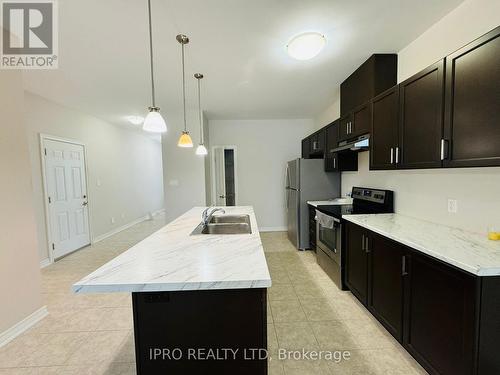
(287,177)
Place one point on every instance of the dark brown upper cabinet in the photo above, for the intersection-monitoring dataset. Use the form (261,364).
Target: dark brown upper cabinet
(356,123)
(374,76)
(421,118)
(384,138)
(306,145)
(344,127)
(335,162)
(332,137)
(361,119)
(472,114)
(317,145)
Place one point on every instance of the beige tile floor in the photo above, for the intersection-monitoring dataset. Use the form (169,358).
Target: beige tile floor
(92,334)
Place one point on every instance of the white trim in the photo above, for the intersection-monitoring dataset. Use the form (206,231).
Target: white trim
(212,170)
(22,326)
(44,263)
(126,226)
(48,232)
(273,229)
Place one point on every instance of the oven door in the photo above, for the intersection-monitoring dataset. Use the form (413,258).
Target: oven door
(329,240)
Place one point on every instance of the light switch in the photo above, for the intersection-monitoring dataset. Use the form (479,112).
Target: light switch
(452,206)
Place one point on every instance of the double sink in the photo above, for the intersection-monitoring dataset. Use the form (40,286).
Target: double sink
(225,224)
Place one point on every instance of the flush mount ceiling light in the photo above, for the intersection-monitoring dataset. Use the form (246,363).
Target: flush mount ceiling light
(135,120)
(306,46)
(153,122)
(201,149)
(185,139)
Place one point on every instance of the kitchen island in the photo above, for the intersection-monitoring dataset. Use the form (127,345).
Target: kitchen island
(199,300)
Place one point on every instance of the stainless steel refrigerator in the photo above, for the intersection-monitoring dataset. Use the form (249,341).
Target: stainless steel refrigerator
(306,180)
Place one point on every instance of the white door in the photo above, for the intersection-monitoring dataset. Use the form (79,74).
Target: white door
(67,194)
(220,179)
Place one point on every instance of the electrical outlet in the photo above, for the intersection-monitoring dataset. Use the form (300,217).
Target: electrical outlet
(452,206)
(112,220)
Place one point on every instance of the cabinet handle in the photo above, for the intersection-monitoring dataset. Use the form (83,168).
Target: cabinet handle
(392,155)
(403,266)
(347,128)
(397,154)
(334,163)
(444,149)
(367,248)
(363,242)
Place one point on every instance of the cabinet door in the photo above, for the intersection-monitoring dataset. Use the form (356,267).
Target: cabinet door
(356,262)
(313,144)
(332,162)
(439,317)
(384,130)
(472,115)
(306,146)
(421,118)
(332,137)
(385,297)
(361,120)
(321,139)
(344,127)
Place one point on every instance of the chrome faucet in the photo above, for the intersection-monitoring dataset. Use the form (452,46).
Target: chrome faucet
(207,214)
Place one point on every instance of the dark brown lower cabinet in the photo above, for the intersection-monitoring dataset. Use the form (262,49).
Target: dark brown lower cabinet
(446,318)
(385,297)
(440,316)
(357,262)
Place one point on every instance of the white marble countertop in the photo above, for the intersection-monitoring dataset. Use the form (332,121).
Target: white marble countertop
(171,260)
(331,202)
(468,251)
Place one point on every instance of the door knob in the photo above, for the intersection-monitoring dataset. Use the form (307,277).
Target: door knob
(85,203)
(222,196)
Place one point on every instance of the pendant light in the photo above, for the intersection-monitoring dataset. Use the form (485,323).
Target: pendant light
(201,149)
(185,139)
(153,121)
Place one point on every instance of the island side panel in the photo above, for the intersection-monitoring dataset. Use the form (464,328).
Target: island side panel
(489,326)
(174,331)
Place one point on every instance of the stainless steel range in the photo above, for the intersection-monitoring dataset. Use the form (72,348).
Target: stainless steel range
(329,227)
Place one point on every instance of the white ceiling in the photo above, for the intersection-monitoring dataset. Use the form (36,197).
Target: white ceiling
(238,44)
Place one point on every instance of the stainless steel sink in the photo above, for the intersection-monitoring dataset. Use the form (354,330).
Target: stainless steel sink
(230,219)
(227,228)
(225,224)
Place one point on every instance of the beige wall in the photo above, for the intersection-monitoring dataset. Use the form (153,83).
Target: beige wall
(126,163)
(20,285)
(262,147)
(424,193)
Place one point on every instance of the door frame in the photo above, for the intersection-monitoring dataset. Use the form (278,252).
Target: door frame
(212,172)
(48,225)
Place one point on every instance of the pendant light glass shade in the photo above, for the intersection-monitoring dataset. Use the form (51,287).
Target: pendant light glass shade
(201,150)
(185,140)
(154,122)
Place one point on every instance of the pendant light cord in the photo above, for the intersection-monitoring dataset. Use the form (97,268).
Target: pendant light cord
(151,54)
(199,111)
(183,88)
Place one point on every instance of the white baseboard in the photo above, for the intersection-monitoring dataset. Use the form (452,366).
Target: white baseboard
(19,328)
(44,263)
(273,229)
(128,225)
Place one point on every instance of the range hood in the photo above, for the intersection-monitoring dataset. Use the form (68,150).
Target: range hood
(358,144)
